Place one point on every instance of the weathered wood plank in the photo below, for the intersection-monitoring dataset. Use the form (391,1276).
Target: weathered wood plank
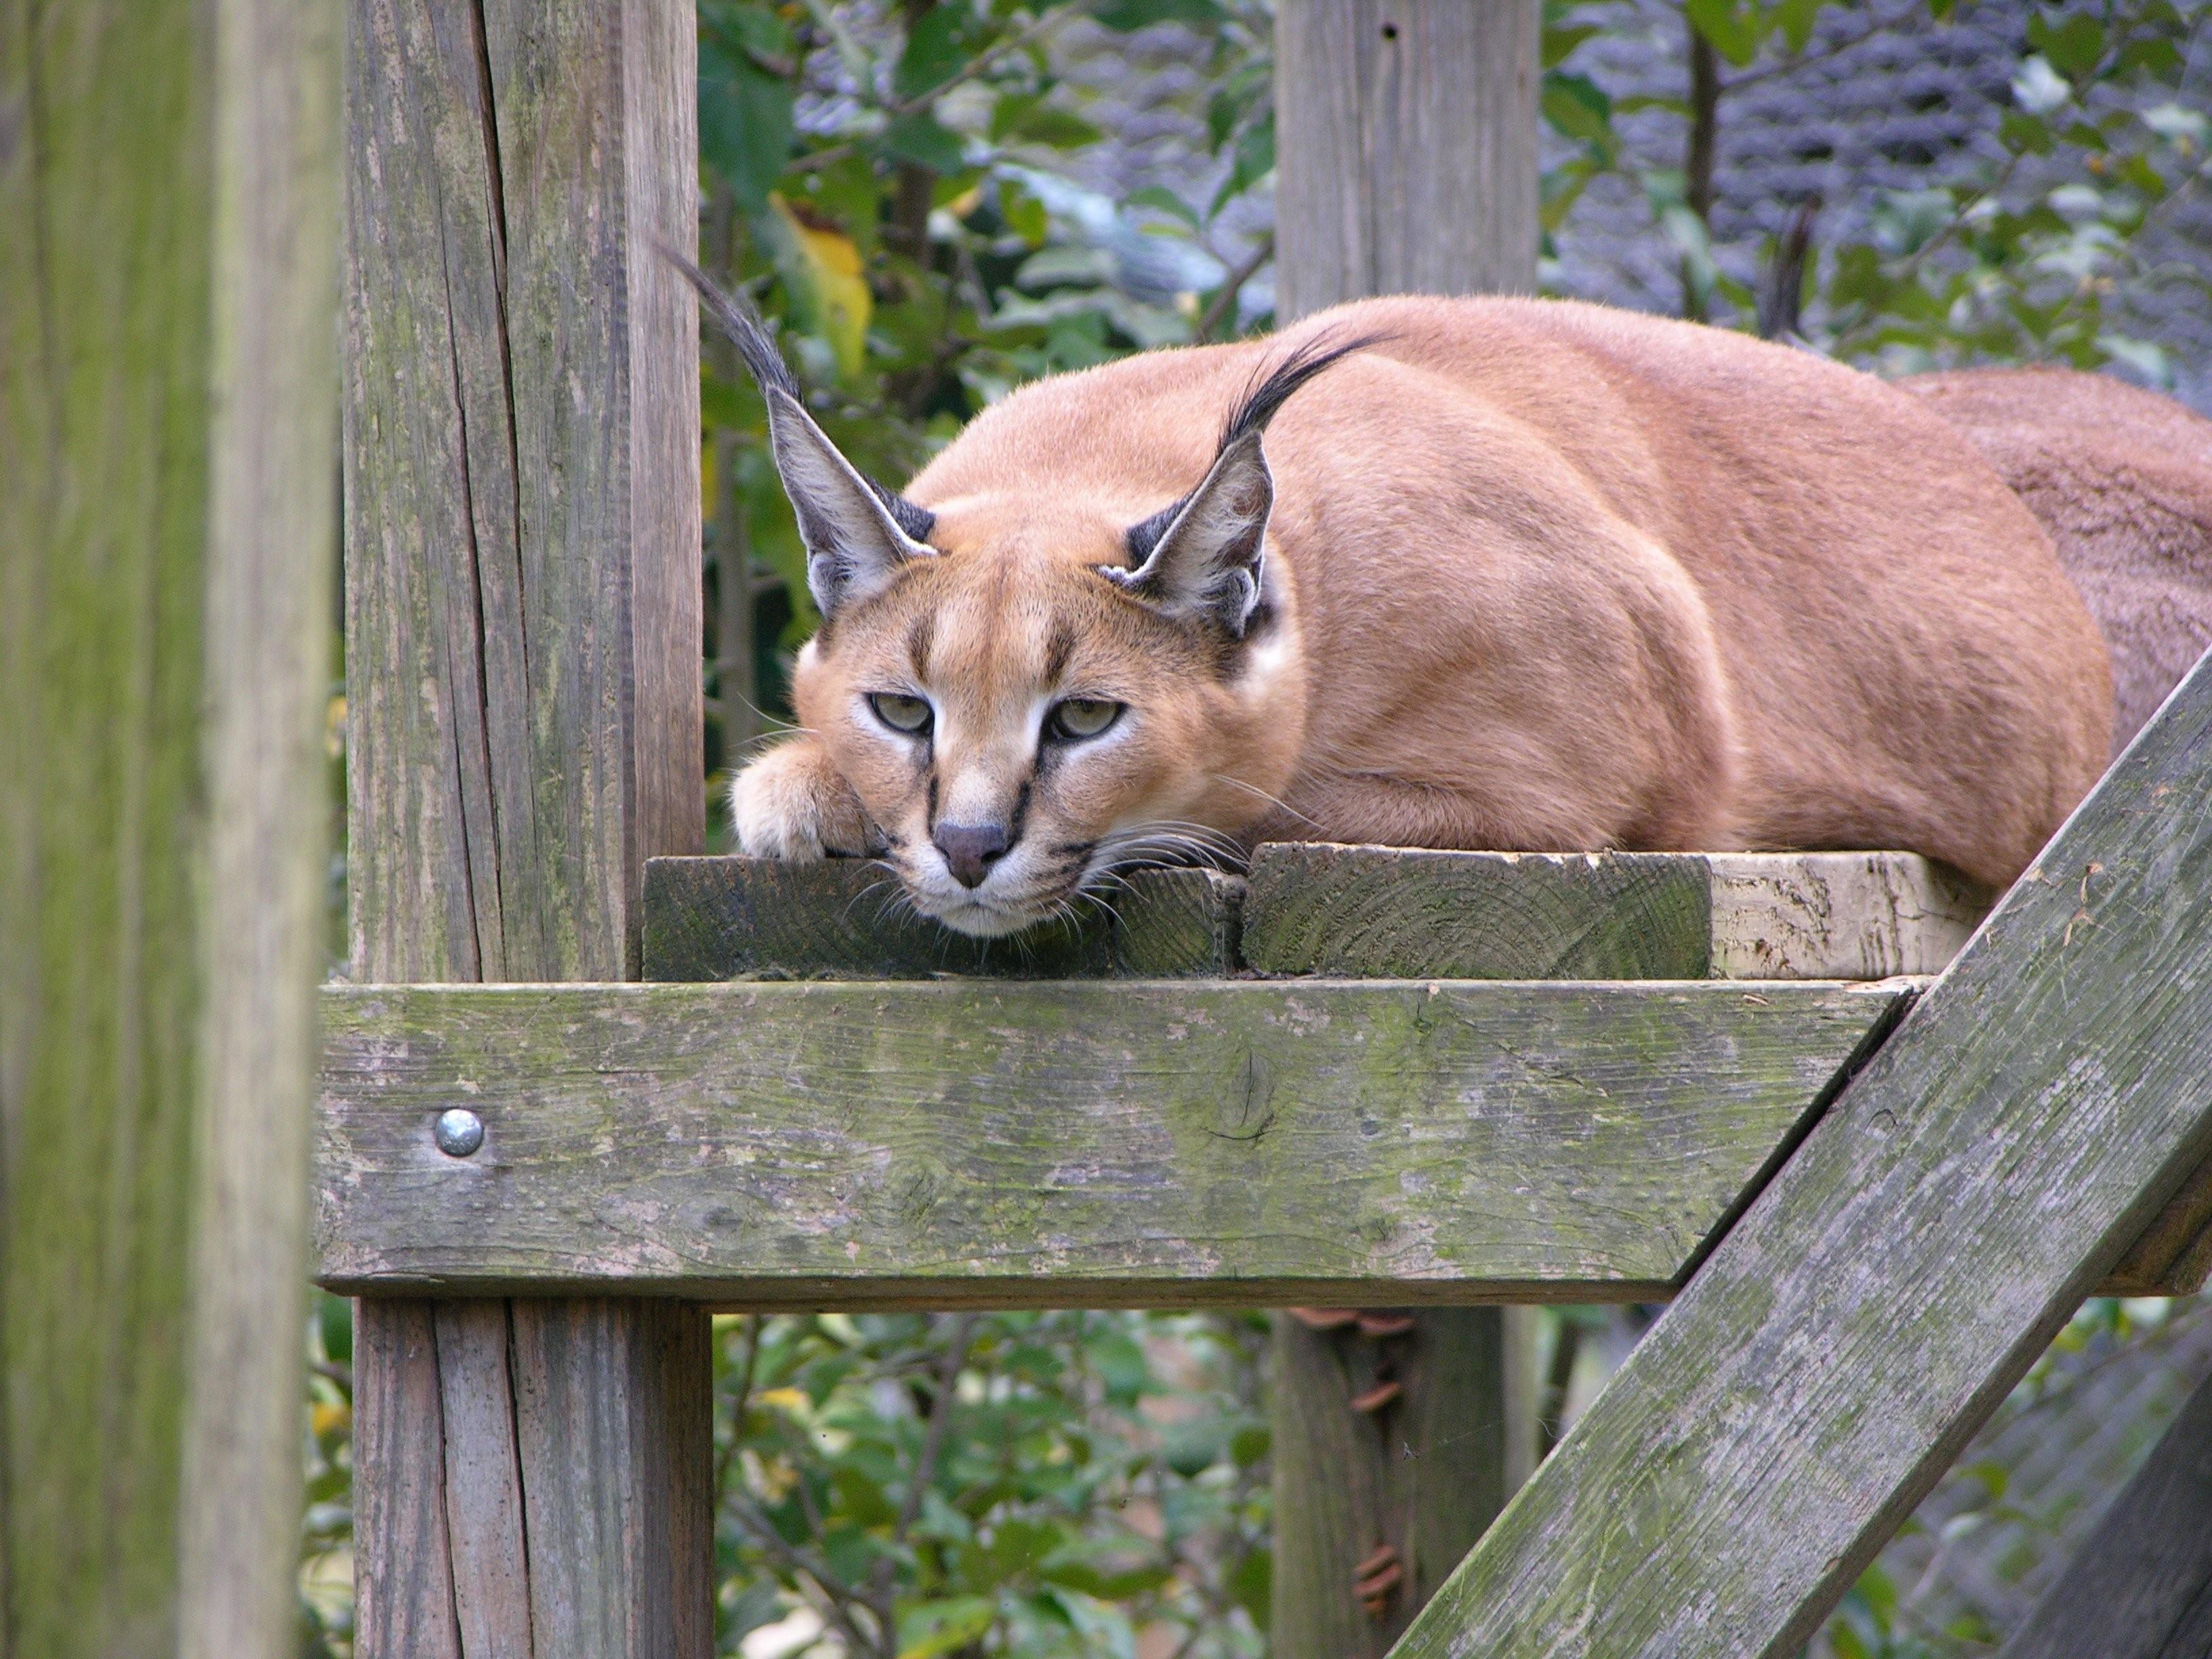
(1351,1481)
(2136,1580)
(1988,1166)
(522,495)
(523,592)
(1399,912)
(2172,1256)
(488,1580)
(167,294)
(1405,136)
(1405,146)
(1319,908)
(730,918)
(402,1599)
(614,1401)
(1838,916)
(1063,1144)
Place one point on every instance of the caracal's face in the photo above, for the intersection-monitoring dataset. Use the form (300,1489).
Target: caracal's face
(1018,728)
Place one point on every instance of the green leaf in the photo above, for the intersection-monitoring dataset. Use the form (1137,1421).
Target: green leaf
(2075,47)
(930,1628)
(1048,123)
(1161,199)
(1731,25)
(821,270)
(1122,1365)
(1577,107)
(746,120)
(1129,15)
(1560,40)
(1796,19)
(1252,1584)
(748,27)
(937,49)
(921,139)
(1249,1444)
(2026,134)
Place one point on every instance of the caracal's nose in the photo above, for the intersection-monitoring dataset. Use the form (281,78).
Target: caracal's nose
(970,849)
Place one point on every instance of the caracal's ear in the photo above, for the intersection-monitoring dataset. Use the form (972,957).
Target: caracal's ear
(1202,559)
(858,534)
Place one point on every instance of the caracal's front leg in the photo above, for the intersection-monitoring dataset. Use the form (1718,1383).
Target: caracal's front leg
(793,803)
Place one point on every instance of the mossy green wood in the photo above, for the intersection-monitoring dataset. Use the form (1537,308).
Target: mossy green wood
(1318,909)
(729,918)
(1986,1168)
(1147,1144)
(167,191)
(523,591)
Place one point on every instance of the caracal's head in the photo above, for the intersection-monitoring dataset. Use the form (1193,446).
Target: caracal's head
(1020,720)
(1028,694)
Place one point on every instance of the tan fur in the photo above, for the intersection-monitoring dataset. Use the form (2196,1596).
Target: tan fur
(2121,481)
(1546,575)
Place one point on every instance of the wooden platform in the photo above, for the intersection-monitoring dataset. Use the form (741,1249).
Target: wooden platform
(1337,1082)
(1314,908)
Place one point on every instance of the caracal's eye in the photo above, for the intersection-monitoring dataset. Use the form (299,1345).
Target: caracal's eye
(902,713)
(1075,718)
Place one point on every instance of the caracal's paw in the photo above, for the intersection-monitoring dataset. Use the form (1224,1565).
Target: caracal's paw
(792,803)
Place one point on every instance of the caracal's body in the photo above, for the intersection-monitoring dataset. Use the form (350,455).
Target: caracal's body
(1538,576)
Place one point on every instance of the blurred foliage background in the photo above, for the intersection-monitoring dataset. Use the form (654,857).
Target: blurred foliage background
(935,200)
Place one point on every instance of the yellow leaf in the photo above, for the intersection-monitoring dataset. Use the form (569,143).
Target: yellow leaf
(820,267)
(784,1400)
(328,1415)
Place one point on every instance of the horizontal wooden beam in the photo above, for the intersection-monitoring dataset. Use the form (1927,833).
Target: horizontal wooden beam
(1064,1144)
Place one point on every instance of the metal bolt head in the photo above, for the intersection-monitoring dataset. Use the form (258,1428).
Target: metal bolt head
(459,1132)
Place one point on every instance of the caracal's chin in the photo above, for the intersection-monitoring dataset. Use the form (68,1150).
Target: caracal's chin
(982,915)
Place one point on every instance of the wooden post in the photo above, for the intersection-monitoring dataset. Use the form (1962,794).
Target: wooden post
(1405,162)
(168,181)
(523,591)
(1406,149)
(2140,1586)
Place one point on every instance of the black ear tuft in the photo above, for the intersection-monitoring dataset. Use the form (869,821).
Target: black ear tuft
(736,316)
(1268,391)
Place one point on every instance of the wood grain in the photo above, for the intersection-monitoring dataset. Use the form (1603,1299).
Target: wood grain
(1405,146)
(730,918)
(1399,912)
(1838,916)
(2146,1569)
(1425,1474)
(1061,1144)
(168,189)
(522,498)
(523,591)
(1991,1165)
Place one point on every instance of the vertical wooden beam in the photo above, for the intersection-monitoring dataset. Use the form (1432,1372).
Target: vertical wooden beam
(523,590)
(167,178)
(1405,162)
(1406,149)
